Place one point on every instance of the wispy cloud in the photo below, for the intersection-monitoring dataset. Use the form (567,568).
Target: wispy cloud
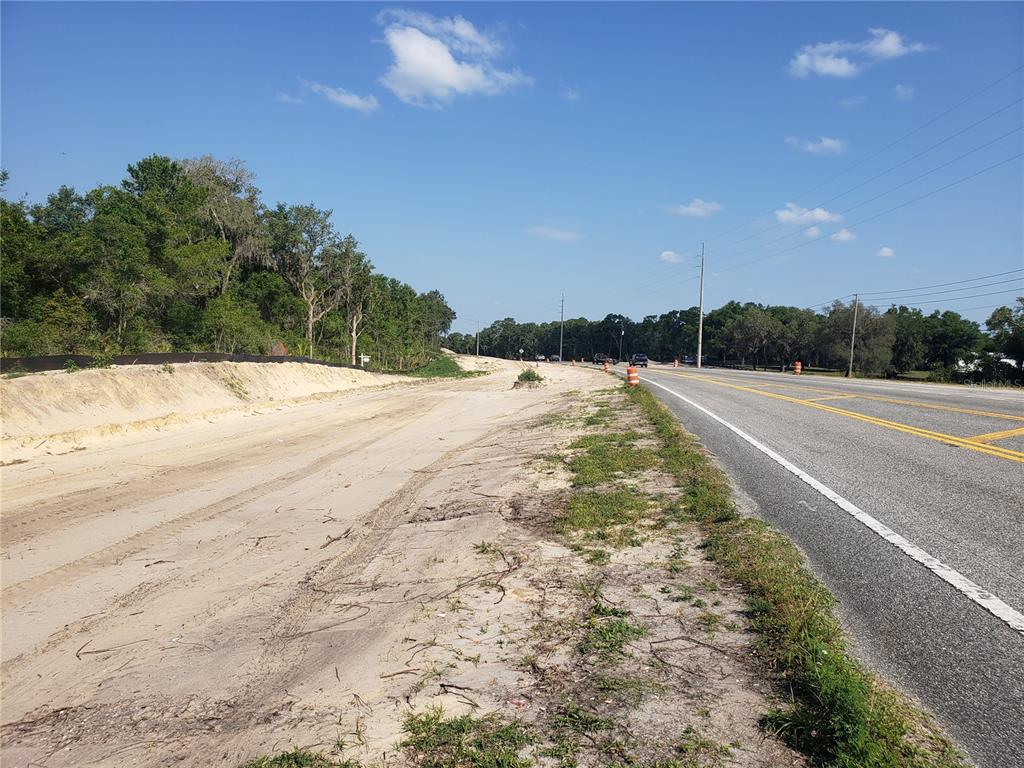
(823,146)
(812,231)
(794,214)
(696,209)
(551,233)
(671,257)
(886,252)
(568,93)
(343,98)
(438,59)
(843,236)
(843,58)
(902,93)
(287,98)
(852,102)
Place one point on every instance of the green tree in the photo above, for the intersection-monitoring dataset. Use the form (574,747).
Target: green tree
(1006,327)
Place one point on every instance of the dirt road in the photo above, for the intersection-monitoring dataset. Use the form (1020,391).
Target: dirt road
(309,574)
(172,584)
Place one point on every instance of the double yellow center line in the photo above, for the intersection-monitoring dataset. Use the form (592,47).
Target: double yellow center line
(960,442)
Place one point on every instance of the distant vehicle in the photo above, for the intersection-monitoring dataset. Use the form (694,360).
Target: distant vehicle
(554,359)
(689,360)
(639,359)
(601,358)
(540,358)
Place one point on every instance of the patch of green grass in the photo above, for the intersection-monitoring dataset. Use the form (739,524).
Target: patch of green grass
(300,758)
(435,741)
(696,749)
(443,368)
(594,510)
(607,631)
(573,717)
(840,716)
(607,456)
(529,375)
(597,556)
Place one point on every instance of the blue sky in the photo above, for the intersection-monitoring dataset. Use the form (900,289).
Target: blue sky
(504,153)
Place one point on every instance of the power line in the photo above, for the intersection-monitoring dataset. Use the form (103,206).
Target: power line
(891,144)
(951,290)
(957,298)
(886,192)
(881,213)
(920,128)
(893,168)
(943,285)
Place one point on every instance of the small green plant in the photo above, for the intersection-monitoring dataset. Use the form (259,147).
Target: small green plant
(435,741)
(300,758)
(102,360)
(608,631)
(573,717)
(167,368)
(70,366)
(443,368)
(530,375)
(598,556)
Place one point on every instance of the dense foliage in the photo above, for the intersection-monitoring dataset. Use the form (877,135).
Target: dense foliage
(184,256)
(895,341)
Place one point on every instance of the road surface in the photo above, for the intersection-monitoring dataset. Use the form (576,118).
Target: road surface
(943,468)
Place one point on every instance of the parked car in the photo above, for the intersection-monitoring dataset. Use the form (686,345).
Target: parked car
(554,359)
(540,358)
(601,358)
(639,359)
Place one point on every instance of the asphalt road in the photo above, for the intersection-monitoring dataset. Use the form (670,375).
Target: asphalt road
(942,467)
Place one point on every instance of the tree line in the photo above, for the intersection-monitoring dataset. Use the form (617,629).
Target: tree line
(185,256)
(889,342)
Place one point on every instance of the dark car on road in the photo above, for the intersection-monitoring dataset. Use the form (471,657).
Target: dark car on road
(600,358)
(639,359)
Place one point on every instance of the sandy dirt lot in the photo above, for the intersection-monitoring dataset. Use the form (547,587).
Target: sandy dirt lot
(305,573)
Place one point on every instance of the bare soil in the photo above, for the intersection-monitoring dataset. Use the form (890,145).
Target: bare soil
(307,574)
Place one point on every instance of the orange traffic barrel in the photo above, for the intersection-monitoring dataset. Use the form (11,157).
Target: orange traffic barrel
(797,368)
(632,376)
(606,366)
(675,363)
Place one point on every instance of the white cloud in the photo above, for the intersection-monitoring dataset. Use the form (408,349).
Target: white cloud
(852,102)
(842,58)
(569,93)
(823,146)
(437,59)
(886,252)
(696,209)
(343,98)
(550,233)
(843,236)
(671,257)
(812,231)
(287,98)
(794,214)
(902,92)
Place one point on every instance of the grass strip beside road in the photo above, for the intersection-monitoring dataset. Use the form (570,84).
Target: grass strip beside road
(839,715)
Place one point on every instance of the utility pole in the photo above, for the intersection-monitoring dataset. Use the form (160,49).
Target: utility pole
(561,328)
(478,338)
(853,336)
(700,322)
(622,332)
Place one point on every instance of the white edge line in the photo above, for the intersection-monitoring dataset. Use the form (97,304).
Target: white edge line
(951,576)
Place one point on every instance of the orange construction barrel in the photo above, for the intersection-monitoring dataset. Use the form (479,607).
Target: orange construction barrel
(797,368)
(632,376)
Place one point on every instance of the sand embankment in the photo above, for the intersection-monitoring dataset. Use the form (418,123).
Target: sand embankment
(62,407)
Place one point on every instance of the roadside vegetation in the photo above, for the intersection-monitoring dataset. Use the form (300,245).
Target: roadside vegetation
(185,256)
(530,376)
(442,367)
(891,341)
